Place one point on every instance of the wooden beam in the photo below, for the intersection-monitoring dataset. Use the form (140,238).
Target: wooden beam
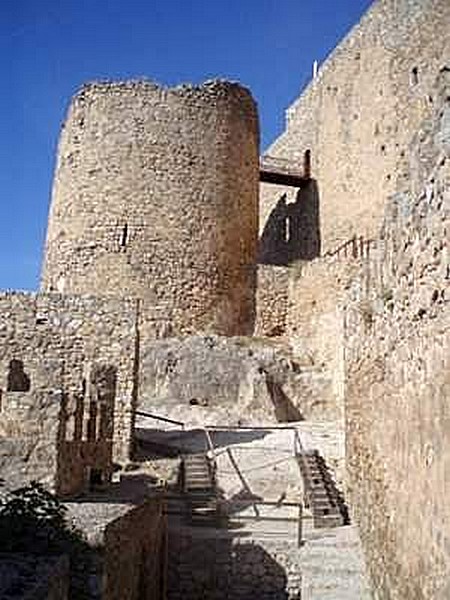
(283,171)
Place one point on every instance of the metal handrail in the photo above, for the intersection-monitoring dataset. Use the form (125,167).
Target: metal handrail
(142,413)
(357,247)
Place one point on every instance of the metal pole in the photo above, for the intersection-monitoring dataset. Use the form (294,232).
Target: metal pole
(299,525)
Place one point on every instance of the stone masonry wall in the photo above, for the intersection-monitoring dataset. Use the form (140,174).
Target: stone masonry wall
(398,380)
(360,114)
(315,325)
(33,578)
(135,554)
(67,384)
(230,569)
(155,196)
(271,300)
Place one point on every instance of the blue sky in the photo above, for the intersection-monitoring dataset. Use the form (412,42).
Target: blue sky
(48,48)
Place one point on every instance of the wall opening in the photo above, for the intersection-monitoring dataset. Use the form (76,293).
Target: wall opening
(414,75)
(92,422)
(104,382)
(17,380)
(124,237)
(96,478)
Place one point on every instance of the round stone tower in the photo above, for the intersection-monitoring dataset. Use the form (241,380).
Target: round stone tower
(156,196)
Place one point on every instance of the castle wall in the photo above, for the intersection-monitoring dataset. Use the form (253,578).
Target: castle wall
(67,385)
(315,325)
(271,300)
(398,381)
(155,196)
(359,116)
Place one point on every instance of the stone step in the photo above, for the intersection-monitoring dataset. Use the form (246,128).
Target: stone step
(195,458)
(326,521)
(195,476)
(324,505)
(206,486)
(200,474)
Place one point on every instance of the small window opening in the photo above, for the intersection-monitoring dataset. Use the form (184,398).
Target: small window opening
(96,478)
(414,76)
(124,236)
(92,422)
(17,380)
(307,164)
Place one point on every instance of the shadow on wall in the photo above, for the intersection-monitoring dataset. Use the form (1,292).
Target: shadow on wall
(86,433)
(285,410)
(292,231)
(207,566)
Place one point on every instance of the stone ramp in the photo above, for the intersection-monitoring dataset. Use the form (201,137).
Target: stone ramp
(332,565)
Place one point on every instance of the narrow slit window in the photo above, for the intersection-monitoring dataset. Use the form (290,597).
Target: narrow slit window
(414,76)
(124,236)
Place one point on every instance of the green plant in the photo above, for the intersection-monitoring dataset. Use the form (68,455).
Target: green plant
(33,521)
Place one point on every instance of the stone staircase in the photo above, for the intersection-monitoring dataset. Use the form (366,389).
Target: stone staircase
(321,495)
(199,488)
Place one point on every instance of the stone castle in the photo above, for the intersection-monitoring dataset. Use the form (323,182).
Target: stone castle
(187,277)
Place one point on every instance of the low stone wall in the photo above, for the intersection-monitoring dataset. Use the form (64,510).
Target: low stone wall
(221,569)
(67,376)
(127,532)
(33,578)
(135,555)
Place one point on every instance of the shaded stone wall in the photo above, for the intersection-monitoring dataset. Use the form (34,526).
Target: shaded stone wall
(155,196)
(358,117)
(135,554)
(398,380)
(33,578)
(67,384)
(222,568)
